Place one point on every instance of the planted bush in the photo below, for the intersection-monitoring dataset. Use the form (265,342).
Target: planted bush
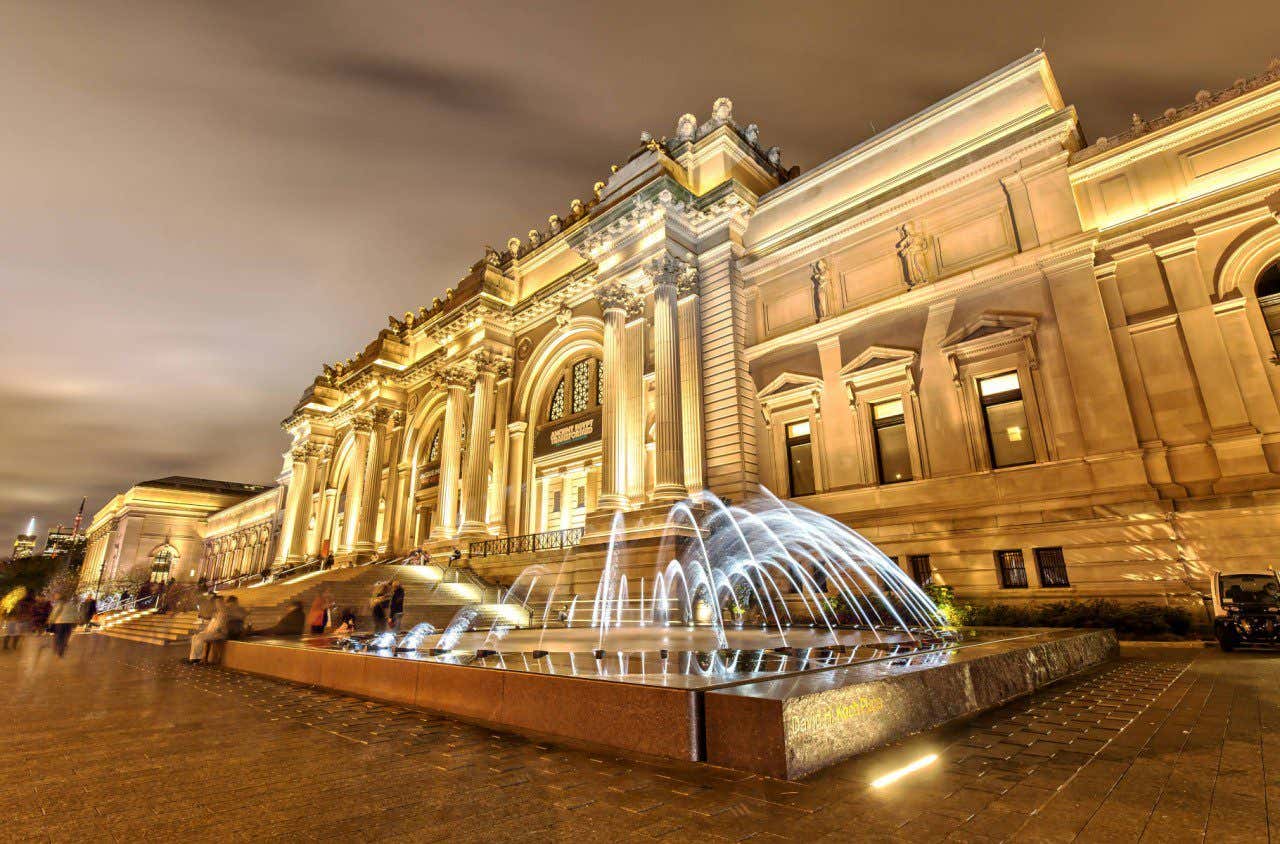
(1130,621)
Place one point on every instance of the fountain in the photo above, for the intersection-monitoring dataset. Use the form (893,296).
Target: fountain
(759,635)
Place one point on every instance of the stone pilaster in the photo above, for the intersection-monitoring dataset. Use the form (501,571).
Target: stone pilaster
(515,476)
(495,512)
(366,534)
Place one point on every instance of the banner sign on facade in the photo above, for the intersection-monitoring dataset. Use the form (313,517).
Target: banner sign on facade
(583,429)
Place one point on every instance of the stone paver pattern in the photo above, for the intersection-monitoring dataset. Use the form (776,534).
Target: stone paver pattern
(120,741)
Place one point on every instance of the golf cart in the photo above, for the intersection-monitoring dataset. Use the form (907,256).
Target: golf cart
(1246,608)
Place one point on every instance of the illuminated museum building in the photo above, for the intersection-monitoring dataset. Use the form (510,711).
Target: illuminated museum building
(1014,360)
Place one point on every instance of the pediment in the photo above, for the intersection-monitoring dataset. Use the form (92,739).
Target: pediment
(788,384)
(989,325)
(879,357)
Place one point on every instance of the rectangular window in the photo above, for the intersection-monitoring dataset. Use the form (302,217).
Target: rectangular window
(800,459)
(893,459)
(1052,568)
(1005,414)
(581,496)
(921,570)
(1013,574)
(555,501)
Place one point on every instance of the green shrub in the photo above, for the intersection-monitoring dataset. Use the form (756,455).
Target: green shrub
(1130,621)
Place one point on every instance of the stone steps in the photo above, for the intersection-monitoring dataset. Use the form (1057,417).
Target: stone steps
(153,629)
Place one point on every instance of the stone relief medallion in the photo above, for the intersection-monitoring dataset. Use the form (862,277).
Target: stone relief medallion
(524,348)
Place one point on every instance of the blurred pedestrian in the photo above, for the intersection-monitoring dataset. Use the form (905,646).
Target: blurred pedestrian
(318,618)
(214,631)
(378,605)
(236,615)
(63,618)
(395,607)
(17,607)
(89,609)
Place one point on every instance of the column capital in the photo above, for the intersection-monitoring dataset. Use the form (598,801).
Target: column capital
(456,375)
(380,415)
(668,269)
(517,427)
(362,424)
(488,362)
(614,295)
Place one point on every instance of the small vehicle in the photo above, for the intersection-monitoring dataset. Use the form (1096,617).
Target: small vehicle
(1246,608)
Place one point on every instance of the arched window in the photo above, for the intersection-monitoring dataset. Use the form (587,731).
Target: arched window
(579,390)
(1268,290)
(162,564)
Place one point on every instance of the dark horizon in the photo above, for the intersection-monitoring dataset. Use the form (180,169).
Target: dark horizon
(208,201)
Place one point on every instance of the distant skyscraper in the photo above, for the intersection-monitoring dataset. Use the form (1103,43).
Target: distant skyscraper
(25,543)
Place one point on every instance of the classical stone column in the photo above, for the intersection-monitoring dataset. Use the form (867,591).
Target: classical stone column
(456,379)
(362,426)
(297,506)
(614,298)
(668,426)
(515,476)
(691,377)
(630,379)
(324,499)
(367,534)
(475,498)
(394,491)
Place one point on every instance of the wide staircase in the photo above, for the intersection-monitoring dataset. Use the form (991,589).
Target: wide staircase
(148,626)
(431,596)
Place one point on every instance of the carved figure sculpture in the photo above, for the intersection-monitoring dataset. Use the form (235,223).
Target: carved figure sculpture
(912,247)
(820,275)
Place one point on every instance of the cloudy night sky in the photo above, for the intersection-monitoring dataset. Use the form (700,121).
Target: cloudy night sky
(205,201)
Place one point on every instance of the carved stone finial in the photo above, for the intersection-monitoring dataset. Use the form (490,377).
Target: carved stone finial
(775,156)
(491,256)
(1138,124)
(576,208)
(535,238)
(1203,96)
(722,110)
(598,189)
(686,127)
(513,246)
(554,224)
(1170,113)
(752,134)
(645,137)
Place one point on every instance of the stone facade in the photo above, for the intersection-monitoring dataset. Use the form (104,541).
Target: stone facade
(1025,365)
(160,529)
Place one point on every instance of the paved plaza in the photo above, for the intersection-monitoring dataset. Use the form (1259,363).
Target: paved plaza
(120,740)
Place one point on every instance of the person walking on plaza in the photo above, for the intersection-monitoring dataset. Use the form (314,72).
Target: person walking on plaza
(395,609)
(63,618)
(17,621)
(319,615)
(214,631)
(89,610)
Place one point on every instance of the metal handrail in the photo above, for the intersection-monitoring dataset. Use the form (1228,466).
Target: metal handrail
(552,540)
